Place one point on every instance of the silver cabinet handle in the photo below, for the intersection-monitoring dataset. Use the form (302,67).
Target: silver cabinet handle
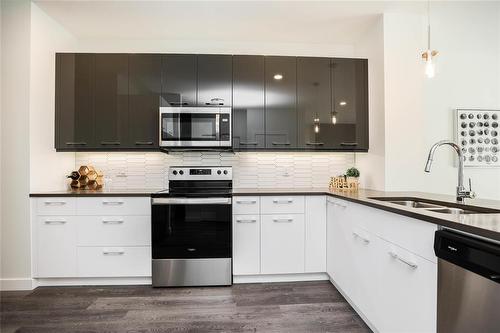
(397,257)
(365,240)
(246,220)
(281,143)
(246,202)
(249,143)
(349,144)
(55,203)
(144,143)
(190,201)
(108,221)
(277,201)
(111,253)
(112,203)
(314,143)
(339,204)
(287,220)
(54,221)
(110,143)
(72,143)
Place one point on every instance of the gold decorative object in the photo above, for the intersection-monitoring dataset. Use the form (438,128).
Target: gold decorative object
(87,177)
(344,183)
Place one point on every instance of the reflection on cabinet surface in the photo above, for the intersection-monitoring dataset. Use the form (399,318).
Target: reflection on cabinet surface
(248,102)
(214,80)
(281,97)
(350,105)
(179,80)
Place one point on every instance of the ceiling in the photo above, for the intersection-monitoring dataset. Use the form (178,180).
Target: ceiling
(340,22)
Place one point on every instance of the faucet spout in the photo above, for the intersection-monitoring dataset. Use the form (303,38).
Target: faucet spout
(461,192)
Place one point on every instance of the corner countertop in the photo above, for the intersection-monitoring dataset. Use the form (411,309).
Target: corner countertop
(485,225)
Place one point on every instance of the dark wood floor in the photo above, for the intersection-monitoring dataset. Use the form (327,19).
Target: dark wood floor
(268,307)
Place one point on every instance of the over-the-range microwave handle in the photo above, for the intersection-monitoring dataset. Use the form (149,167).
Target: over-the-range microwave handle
(191,201)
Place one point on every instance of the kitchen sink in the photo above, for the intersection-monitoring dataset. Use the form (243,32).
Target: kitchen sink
(437,206)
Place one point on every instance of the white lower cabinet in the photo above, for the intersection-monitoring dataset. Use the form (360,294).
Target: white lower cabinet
(282,243)
(246,244)
(56,246)
(114,261)
(315,235)
(394,288)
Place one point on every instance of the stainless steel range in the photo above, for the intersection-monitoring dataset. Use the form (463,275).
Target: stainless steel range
(191,228)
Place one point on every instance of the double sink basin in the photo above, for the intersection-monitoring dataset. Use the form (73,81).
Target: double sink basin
(436,207)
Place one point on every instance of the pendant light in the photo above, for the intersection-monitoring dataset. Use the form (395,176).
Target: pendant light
(428,55)
(316,125)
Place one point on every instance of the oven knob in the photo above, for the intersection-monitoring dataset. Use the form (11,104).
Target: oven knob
(225,172)
(181,172)
(175,172)
(218,172)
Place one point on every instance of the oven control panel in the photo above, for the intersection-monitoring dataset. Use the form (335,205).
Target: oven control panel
(200,173)
(477,134)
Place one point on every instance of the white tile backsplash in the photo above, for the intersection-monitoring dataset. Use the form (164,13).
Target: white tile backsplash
(250,169)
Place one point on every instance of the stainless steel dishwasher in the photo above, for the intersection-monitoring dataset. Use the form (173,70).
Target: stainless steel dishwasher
(468,283)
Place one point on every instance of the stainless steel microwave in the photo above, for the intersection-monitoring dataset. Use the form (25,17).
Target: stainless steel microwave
(195,127)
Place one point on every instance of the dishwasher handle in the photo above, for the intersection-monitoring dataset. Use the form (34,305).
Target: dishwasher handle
(476,255)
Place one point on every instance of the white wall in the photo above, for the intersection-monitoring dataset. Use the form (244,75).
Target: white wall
(47,168)
(15,241)
(372,164)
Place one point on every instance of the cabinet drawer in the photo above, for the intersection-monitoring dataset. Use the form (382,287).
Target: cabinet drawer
(114,261)
(56,206)
(56,246)
(113,206)
(114,230)
(290,204)
(246,205)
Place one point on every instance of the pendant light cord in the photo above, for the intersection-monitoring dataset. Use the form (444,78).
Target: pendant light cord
(428,25)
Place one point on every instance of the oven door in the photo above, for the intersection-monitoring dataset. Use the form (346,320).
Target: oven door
(188,228)
(189,127)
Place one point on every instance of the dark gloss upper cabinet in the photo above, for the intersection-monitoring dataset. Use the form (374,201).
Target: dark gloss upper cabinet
(248,102)
(215,80)
(314,103)
(144,100)
(111,100)
(350,104)
(74,101)
(280,101)
(179,80)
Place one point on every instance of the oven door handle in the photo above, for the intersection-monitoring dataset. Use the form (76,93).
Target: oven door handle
(191,201)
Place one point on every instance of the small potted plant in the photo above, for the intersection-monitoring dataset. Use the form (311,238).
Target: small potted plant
(352,175)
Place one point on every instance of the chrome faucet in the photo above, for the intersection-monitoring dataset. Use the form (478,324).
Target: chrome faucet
(462,193)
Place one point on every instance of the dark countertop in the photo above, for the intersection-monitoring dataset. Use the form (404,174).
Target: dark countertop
(485,225)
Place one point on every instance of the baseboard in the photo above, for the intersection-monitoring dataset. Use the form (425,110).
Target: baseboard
(261,278)
(117,281)
(353,305)
(16,284)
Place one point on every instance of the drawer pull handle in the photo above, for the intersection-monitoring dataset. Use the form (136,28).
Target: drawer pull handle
(112,203)
(276,201)
(71,143)
(110,143)
(246,202)
(246,220)
(394,255)
(248,143)
(288,220)
(315,143)
(144,143)
(55,221)
(348,144)
(339,204)
(55,203)
(113,253)
(281,143)
(112,221)
(365,240)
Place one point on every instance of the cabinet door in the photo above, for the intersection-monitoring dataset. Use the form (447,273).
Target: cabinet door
(74,101)
(248,102)
(350,104)
(314,103)
(179,80)
(111,100)
(246,244)
(282,244)
(281,109)
(315,229)
(215,75)
(56,246)
(144,100)
(407,291)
